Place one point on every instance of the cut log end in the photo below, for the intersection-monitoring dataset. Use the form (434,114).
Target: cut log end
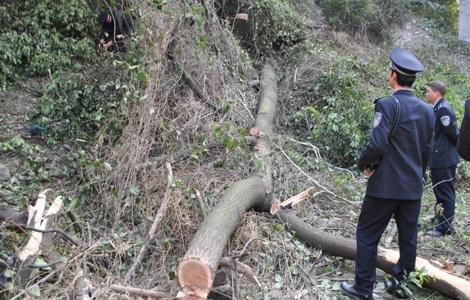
(195,278)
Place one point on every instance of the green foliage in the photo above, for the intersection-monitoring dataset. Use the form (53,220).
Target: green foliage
(37,36)
(370,17)
(442,15)
(278,26)
(70,108)
(30,174)
(338,115)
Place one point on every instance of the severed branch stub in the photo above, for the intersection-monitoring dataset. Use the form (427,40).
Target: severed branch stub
(277,205)
(239,267)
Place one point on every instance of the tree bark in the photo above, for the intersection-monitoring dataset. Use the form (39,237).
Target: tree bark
(445,283)
(196,270)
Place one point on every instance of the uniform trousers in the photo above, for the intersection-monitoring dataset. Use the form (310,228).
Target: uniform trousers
(375,215)
(443,181)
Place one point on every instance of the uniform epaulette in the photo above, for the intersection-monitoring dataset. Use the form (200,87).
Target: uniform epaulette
(377,100)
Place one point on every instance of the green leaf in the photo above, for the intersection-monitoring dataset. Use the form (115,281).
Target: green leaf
(42,264)
(8,273)
(34,291)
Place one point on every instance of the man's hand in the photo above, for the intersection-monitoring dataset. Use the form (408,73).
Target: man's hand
(368,172)
(119,37)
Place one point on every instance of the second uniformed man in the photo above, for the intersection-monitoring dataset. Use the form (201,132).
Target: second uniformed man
(444,158)
(395,158)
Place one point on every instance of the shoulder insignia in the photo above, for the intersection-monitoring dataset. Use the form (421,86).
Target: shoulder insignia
(445,120)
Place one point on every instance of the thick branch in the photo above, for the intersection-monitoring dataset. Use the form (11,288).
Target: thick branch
(196,269)
(445,283)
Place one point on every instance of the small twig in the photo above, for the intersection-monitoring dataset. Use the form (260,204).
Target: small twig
(60,232)
(158,217)
(311,178)
(132,291)
(391,235)
(202,204)
(317,154)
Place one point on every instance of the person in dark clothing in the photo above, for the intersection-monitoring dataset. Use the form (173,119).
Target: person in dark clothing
(116,25)
(463,145)
(444,158)
(395,159)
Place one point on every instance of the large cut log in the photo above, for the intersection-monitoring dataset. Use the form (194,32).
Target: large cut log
(445,283)
(196,270)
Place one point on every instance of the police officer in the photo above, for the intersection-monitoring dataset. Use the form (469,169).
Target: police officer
(395,158)
(444,158)
(463,145)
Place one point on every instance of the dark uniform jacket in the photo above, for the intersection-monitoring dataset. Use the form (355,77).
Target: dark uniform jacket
(444,153)
(399,160)
(120,24)
(463,145)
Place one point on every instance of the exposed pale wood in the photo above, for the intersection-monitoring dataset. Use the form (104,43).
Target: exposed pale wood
(208,244)
(291,201)
(34,220)
(158,217)
(196,269)
(38,240)
(132,291)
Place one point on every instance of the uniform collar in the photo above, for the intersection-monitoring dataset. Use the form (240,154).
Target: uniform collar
(403,92)
(439,102)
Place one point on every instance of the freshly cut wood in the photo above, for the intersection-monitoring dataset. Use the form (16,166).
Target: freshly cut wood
(276,206)
(445,283)
(196,270)
(38,240)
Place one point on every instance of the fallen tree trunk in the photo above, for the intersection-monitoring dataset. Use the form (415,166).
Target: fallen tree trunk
(445,283)
(196,270)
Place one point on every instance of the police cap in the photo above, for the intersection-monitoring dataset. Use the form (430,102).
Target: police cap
(404,62)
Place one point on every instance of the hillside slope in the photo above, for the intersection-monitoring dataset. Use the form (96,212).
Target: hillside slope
(186,94)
